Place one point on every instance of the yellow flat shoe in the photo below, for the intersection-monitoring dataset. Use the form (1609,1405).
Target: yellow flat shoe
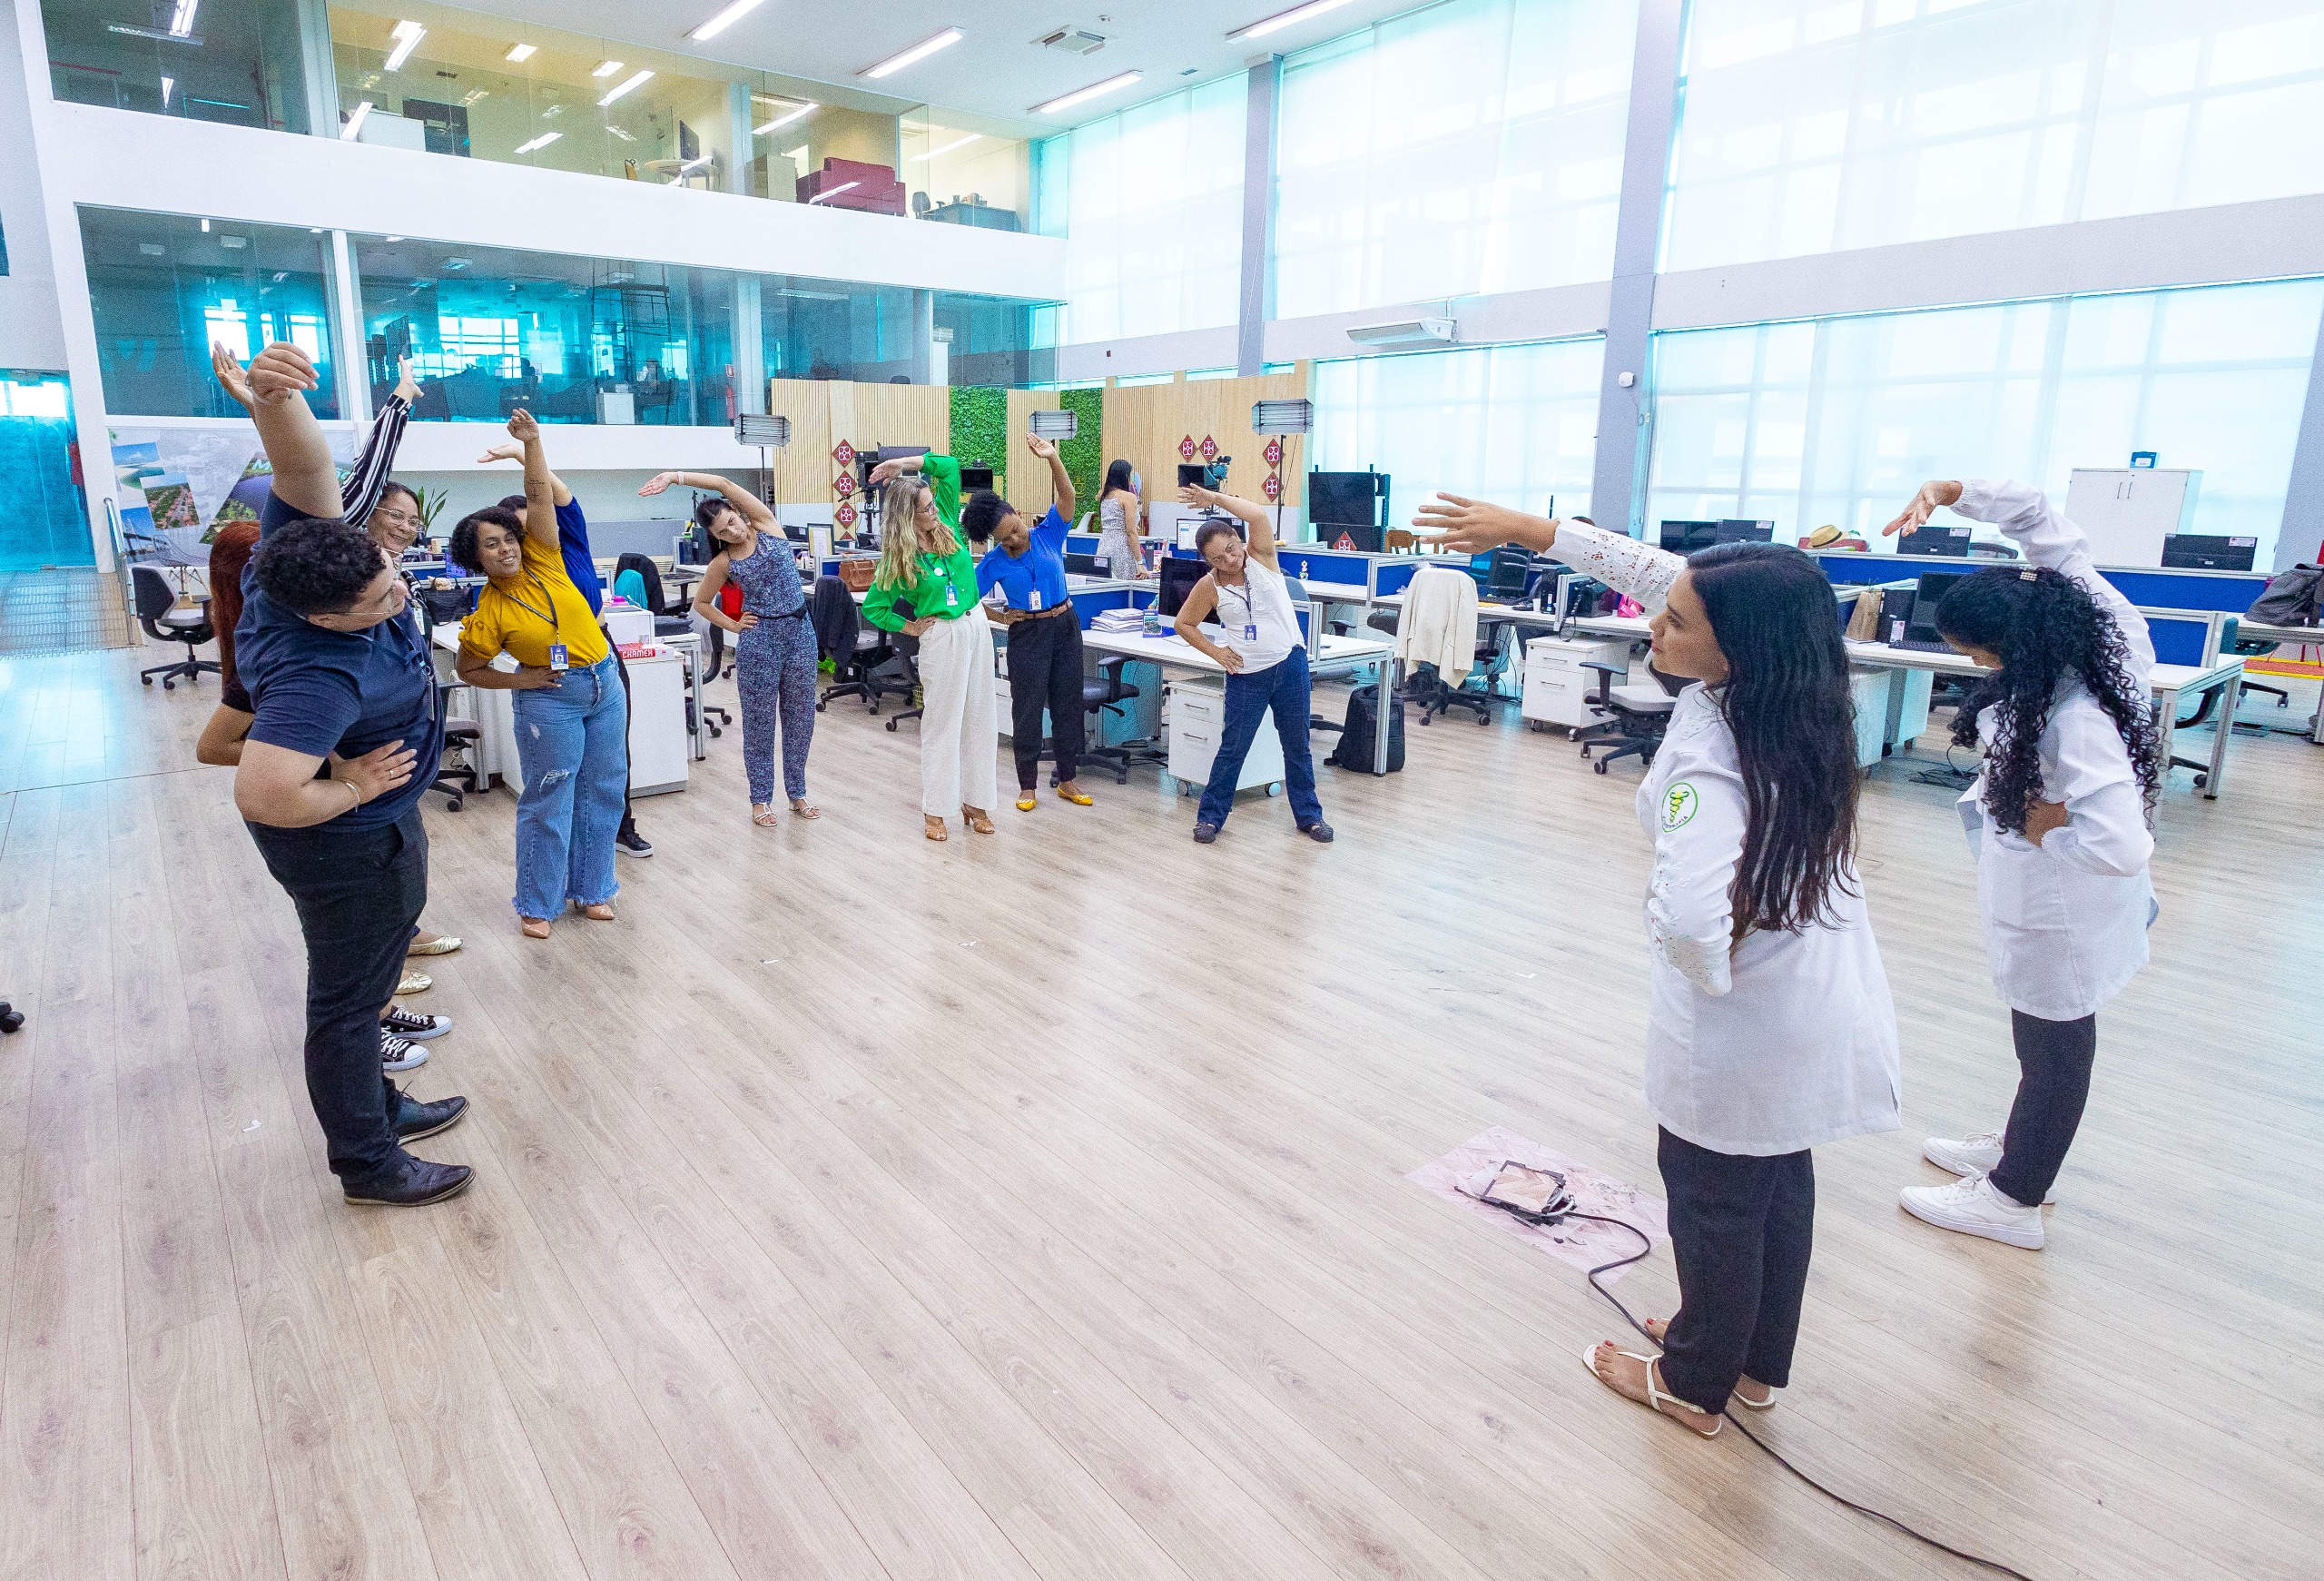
(1078,798)
(1025,803)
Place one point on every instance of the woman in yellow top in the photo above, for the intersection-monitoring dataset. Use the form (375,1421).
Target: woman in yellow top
(572,719)
(926,587)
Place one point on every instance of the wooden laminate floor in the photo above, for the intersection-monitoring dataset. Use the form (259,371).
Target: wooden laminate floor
(1033,1207)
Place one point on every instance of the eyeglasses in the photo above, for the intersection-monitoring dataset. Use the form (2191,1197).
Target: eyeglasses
(390,513)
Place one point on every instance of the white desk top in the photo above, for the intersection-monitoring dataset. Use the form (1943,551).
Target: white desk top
(1172,652)
(2167,677)
(2260,631)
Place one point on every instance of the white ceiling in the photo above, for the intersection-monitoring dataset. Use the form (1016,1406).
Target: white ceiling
(996,71)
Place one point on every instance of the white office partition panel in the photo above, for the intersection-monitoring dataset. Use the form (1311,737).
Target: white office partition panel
(1837,420)
(1809,126)
(1512,424)
(1153,205)
(1475,146)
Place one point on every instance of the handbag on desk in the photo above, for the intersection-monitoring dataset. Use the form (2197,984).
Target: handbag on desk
(856,573)
(2290,598)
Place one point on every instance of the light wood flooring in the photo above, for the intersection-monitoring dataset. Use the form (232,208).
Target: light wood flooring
(866,1209)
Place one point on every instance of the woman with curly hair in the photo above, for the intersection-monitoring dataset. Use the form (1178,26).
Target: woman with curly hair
(2072,765)
(1770,1028)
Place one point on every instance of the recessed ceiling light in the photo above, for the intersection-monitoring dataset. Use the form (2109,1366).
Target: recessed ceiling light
(918,51)
(182,18)
(521,51)
(349,133)
(1282,19)
(605,68)
(543,140)
(635,80)
(314,230)
(785,119)
(407,35)
(940,153)
(725,19)
(1083,95)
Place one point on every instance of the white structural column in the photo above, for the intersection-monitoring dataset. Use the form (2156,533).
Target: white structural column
(1617,492)
(353,349)
(1258,215)
(2303,523)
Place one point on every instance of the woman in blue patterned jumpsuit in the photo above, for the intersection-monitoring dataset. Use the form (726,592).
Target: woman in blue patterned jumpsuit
(774,650)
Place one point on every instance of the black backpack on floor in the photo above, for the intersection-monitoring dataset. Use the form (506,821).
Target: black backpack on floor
(1355,749)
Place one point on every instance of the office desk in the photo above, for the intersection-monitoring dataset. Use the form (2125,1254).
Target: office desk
(2305,635)
(2168,682)
(659,746)
(1327,656)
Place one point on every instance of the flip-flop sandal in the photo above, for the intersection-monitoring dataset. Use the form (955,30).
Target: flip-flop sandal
(1655,1396)
(763,816)
(805,810)
(1738,1396)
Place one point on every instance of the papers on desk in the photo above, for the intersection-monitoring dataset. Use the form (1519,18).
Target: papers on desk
(1120,621)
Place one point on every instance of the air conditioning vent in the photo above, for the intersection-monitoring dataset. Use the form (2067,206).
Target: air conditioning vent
(1073,41)
(1406,335)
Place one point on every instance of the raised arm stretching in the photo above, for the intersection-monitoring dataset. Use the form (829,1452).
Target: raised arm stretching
(1260,534)
(540,483)
(751,508)
(296,449)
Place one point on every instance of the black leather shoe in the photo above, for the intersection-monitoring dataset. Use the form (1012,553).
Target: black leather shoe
(1205,832)
(1319,831)
(415,1120)
(411,1182)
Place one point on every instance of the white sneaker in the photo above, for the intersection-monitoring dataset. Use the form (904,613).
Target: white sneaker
(1973,1207)
(1969,1155)
(396,1055)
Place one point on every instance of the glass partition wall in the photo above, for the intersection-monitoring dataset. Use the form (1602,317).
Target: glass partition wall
(237,63)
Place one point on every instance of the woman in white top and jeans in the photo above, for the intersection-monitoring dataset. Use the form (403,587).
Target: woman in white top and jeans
(1265,661)
(1769,1029)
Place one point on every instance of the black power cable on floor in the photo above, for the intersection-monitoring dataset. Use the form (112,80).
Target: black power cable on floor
(1557,1215)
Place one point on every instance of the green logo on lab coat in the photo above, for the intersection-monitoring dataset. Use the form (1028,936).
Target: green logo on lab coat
(1678,806)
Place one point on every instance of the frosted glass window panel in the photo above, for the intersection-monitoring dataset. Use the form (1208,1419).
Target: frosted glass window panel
(1153,199)
(1473,146)
(1838,421)
(1514,424)
(1809,126)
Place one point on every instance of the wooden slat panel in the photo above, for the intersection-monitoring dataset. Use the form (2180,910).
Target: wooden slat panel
(1146,423)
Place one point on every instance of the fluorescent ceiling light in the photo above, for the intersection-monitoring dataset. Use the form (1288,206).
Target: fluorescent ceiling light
(543,140)
(407,35)
(833,191)
(607,68)
(785,119)
(205,227)
(938,152)
(1083,95)
(182,18)
(521,51)
(167,83)
(399,239)
(1282,19)
(917,53)
(635,80)
(725,19)
(354,126)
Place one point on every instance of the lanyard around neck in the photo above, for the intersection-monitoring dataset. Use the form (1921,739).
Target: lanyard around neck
(556,631)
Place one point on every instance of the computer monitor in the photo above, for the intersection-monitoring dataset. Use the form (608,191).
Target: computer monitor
(1735,530)
(1362,536)
(1507,572)
(1194,475)
(975,478)
(1178,578)
(1336,500)
(1082,566)
(2194,551)
(1684,537)
(1934,540)
(1922,625)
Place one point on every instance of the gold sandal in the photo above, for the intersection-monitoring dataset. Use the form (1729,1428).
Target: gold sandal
(934,828)
(977,819)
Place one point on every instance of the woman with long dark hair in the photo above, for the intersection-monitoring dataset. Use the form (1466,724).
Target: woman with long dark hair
(1117,512)
(1770,1029)
(2072,765)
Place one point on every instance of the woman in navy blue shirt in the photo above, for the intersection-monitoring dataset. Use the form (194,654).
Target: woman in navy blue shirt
(1026,564)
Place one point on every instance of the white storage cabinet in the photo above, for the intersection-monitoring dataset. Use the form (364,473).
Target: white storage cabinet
(1198,725)
(1557,689)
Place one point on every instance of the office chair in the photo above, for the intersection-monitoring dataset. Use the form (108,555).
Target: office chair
(163,622)
(1640,715)
(922,206)
(900,675)
(1103,695)
(1427,686)
(2232,640)
(462,779)
(669,619)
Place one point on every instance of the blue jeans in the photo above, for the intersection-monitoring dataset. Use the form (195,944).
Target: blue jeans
(1284,688)
(572,741)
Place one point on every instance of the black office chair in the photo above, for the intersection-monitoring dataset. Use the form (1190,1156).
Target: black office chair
(1637,719)
(163,622)
(461,777)
(899,675)
(1106,694)
(2232,640)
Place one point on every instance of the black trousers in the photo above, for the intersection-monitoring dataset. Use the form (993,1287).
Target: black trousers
(1045,672)
(629,816)
(2054,1061)
(358,894)
(1741,1229)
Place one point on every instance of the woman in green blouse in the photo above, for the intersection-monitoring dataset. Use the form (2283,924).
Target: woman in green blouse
(926,588)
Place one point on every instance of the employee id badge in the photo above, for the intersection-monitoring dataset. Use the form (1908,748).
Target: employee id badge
(558,659)
(1033,601)
(1250,631)
(952,596)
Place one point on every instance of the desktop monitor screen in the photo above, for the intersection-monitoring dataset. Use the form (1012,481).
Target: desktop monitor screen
(2202,552)
(1739,532)
(1178,578)
(1932,539)
(1684,537)
(1927,594)
(1339,498)
(975,478)
(1503,574)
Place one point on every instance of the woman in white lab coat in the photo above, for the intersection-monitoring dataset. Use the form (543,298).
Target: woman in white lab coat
(1770,1027)
(2058,818)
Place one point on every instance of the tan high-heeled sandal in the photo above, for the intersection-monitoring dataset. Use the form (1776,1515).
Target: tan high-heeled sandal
(976,819)
(933,828)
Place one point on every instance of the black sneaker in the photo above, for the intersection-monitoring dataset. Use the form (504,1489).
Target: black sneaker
(628,839)
(413,1027)
(1319,831)
(414,1119)
(399,1054)
(410,1182)
(1205,832)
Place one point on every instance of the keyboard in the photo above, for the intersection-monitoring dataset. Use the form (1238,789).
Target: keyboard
(1923,644)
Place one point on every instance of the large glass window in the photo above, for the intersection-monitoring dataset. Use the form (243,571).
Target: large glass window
(235,62)
(575,339)
(829,329)
(993,339)
(164,287)
(1475,146)
(1513,424)
(1837,420)
(955,174)
(1152,206)
(1810,127)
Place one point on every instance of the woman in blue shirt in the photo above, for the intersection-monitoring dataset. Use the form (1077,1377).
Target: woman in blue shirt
(1026,564)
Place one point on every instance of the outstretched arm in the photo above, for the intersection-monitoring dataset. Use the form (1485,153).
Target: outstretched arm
(564,495)
(753,509)
(296,449)
(1621,561)
(540,483)
(369,481)
(1260,532)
